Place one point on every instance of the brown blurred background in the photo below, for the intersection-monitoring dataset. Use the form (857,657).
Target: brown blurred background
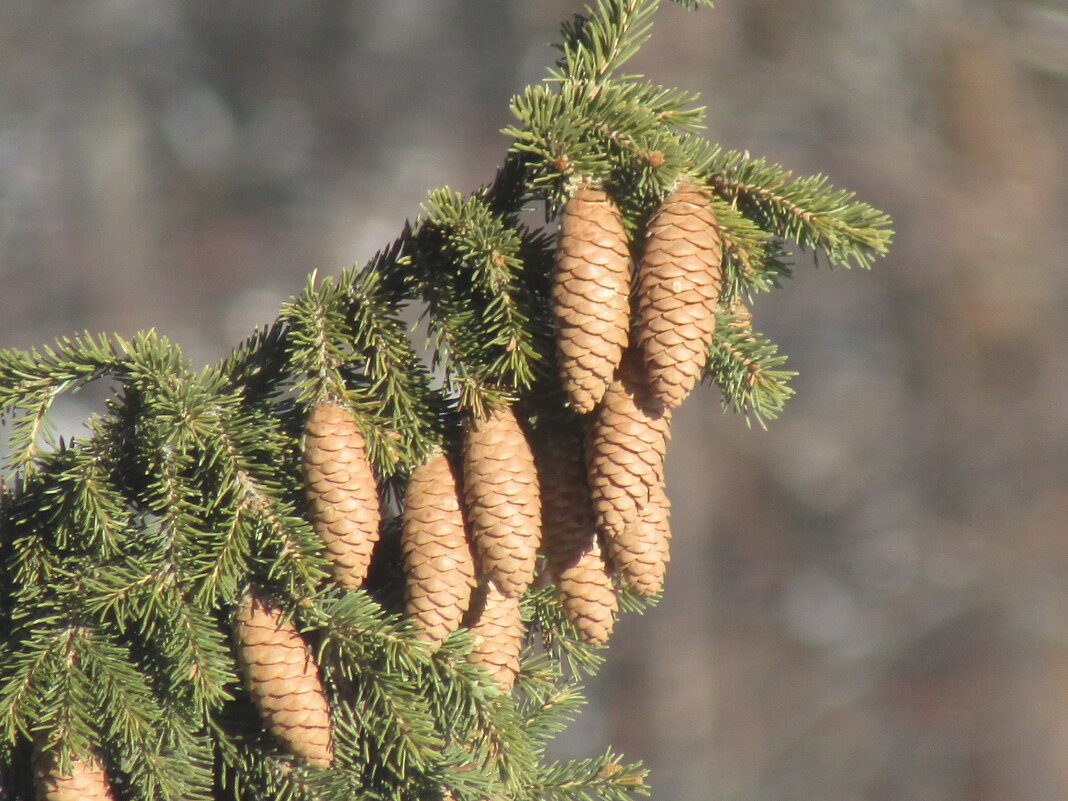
(867,601)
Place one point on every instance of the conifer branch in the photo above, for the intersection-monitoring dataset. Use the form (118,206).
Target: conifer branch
(545,616)
(603,779)
(807,211)
(595,45)
(747,369)
(482,250)
(752,258)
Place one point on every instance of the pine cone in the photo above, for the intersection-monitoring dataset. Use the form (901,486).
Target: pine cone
(588,596)
(640,551)
(625,447)
(283,680)
(569,535)
(502,500)
(438,564)
(496,633)
(591,295)
(85,781)
(341,491)
(679,281)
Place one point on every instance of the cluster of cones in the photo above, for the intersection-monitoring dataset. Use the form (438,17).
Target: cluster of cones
(628,358)
(499,503)
(590,498)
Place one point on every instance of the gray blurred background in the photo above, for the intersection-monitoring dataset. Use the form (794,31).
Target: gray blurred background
(867,601)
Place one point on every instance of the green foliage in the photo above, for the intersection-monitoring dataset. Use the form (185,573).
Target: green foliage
(125,550)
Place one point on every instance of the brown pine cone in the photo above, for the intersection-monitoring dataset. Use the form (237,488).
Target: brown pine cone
(679,282)
(341,491)
(502,499)
(625,446)
(640,551)
(438,564)
(283,680)
(588,596)
(496,633)
(85,781)
(569,534)
(591,295)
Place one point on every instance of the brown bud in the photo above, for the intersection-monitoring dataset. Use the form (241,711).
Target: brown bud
(502,499)
(438,565)
(743,317)
(591,295)
(496,633)
(283,680)
(569,534)
(679,282)
(625,446)
(85,781)
(341,491)
(640,550)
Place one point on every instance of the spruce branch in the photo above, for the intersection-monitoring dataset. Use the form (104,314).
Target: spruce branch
(598,43)
(752,258)
(545,616)
(30,383)
(127,702)
(806,210)
(747,369)
(603,779)
(483,250)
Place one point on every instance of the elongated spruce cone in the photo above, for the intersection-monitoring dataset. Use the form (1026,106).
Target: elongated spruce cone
(438,565)
(679,282)
(496,633)
(640,552)
(341,491)
(625,446)
(590,295)
(570,541)
(502,500)
(283,680)
(85,781)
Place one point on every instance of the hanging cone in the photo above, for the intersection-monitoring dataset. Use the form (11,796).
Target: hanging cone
(590,295)
(496,633)
(569,535)
(283,681)
(341,491)
(586,592)
(85,781)
(640,551)
(679,281)
(502,500)
(625,446)
(438,565)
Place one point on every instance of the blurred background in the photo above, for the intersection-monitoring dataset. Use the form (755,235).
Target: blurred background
(867,601)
